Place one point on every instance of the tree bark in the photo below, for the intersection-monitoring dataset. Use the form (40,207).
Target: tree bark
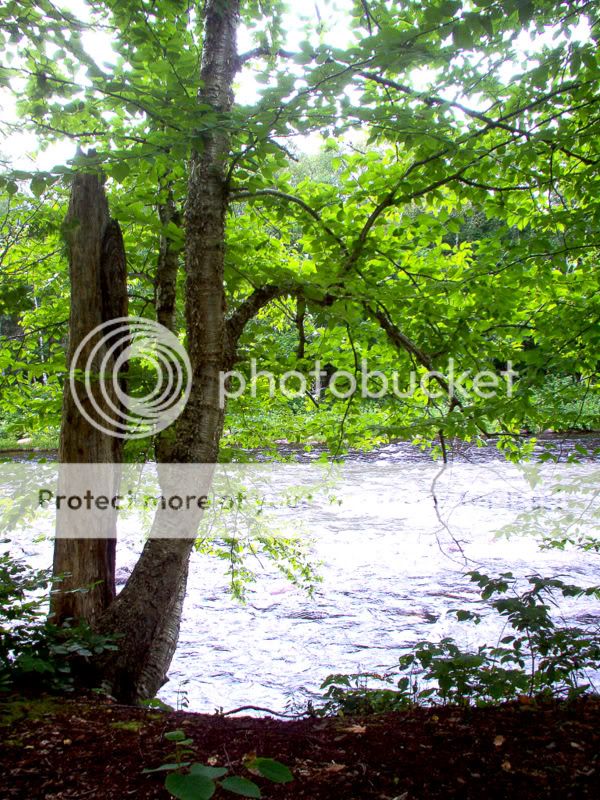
(165,284)
(147,612)
(165,296)
(300,319)
(98,278)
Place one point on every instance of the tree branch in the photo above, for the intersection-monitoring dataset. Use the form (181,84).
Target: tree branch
(434,100)
(500,123)
(263,52)
(246,311)
(290,198)
(402,342)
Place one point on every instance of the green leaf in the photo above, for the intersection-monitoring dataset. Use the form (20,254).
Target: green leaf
(37,186)
(209,772)
(165,768)
(241,786)
(486,23)
(273,770)
(462,38)
(119,170)
(189,787)
(175,736)
(526,10)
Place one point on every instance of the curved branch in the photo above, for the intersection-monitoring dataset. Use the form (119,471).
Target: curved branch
(402,342)
(246,311)
(263,295)
(263,52)
(397,338)
(490,123)
(290,198)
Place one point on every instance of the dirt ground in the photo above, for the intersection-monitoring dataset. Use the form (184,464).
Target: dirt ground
(53,749)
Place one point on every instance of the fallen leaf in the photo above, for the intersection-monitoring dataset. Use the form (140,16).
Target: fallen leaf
(355,729)
(334,768)
(587,771)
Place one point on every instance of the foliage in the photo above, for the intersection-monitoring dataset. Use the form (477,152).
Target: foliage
(568,397)
(242,529)
(471,224)
(35,654)
(572,523)
(453,214)
(536,657)
(192,781)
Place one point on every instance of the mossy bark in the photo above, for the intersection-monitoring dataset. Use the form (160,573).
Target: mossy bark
(98,278)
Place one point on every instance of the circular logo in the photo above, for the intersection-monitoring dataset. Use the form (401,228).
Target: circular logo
(132,347)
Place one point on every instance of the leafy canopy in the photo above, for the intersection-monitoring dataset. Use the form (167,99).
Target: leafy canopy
(452,213)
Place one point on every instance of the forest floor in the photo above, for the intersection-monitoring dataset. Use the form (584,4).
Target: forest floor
(50,750)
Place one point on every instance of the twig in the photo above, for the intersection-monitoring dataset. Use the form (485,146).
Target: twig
(260,708)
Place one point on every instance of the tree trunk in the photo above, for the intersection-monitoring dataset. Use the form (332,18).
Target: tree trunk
(98,294)
(165,296)
(165,284)
(147,612)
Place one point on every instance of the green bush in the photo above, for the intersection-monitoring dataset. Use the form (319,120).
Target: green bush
(536,657)
(35,654)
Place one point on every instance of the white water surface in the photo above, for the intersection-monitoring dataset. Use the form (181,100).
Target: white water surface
(391,535)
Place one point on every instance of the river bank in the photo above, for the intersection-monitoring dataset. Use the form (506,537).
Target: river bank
(561,443)
(80,749)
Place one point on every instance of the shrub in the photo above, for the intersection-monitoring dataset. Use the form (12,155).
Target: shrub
(188,781)
(35,654)
(535,658)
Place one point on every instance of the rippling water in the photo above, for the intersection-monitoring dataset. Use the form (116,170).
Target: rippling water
(392,564)
(392,571)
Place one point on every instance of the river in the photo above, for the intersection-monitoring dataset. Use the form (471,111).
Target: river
(391,553)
